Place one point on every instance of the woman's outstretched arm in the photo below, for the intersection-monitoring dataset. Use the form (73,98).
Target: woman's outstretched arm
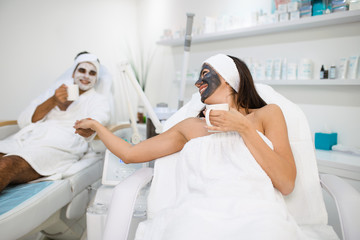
(161,145)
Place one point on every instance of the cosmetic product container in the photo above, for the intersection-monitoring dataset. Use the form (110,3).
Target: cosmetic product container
(326,74)
(282,8)
(273,18)
(305,69)
(269,69)
(353,67)
(293,6)
(253,68)
(295,15)
(322,70)
(305,10)
(318,7)
(332,73)
(291,71)
(283,17)
(343,68)
(277,68)
(260,71)
(284,69)
(339,5)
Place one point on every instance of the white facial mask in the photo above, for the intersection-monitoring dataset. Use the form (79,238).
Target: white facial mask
(85,76)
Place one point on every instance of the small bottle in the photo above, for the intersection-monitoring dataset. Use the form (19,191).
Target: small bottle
(284,70)
(326,74)
(332,74)
(322,71)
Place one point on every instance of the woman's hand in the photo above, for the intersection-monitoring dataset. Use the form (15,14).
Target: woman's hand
(85,127)
(231,120)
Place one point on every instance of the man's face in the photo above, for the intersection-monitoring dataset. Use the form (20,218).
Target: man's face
(85,76)
(208,82)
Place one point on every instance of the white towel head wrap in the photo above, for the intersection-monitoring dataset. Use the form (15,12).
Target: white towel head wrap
(227,69)
(91,58)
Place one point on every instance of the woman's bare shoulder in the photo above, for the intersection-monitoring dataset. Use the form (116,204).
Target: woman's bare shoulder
(269,110)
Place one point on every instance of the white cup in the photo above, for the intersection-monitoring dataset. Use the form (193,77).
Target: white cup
(222,106)
(73,92)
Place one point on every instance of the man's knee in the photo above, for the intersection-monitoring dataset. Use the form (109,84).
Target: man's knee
(17,170)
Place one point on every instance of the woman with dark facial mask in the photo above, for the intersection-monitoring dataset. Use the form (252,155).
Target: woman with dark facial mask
(247,163)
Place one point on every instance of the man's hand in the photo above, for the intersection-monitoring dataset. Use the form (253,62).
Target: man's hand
(60,97)
(83,127)
(85,132)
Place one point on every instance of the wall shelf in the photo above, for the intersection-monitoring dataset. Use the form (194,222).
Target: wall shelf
(304,23)
(314,82)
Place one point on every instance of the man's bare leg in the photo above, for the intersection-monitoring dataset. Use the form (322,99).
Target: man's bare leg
(14,169)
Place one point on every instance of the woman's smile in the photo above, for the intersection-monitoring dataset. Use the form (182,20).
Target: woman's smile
(202,88)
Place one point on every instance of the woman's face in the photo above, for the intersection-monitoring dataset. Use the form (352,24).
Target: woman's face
(208,82)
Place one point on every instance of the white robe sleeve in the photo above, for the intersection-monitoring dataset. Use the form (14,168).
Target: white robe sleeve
(100,109)
(25,116)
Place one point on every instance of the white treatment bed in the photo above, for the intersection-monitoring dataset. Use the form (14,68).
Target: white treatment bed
(305,203)
(57,206)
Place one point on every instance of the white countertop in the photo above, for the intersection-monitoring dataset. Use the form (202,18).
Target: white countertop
(339,163)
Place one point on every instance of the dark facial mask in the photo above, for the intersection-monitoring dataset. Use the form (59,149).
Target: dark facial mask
(212,79)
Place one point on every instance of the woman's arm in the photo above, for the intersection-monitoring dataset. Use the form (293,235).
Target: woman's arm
(279,163)
(161,145)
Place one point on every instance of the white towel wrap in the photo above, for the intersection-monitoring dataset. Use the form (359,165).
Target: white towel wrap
(227,69)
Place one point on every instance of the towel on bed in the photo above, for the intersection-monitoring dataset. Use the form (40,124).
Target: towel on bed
(222,193)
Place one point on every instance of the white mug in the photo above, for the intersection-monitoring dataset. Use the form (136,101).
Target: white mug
(222,106)
(73,92)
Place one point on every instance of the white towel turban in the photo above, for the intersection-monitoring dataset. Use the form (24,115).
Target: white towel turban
(91,58)
(227,69)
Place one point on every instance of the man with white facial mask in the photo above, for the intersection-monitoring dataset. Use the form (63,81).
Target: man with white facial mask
(46,143)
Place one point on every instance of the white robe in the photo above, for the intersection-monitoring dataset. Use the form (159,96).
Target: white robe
(50,145)
(222,193)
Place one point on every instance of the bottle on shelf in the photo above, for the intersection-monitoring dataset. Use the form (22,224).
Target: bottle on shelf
(326,74)
(332,73)
(322,72)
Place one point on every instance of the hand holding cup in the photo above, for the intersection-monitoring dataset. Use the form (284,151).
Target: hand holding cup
(209,108)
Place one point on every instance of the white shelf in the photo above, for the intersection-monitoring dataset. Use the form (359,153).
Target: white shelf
(304,23)
(324,82)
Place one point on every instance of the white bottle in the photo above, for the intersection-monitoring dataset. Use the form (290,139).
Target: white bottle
(284,70)
(332,73)
(305,69)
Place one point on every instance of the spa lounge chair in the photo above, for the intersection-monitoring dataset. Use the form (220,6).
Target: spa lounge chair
(55,207)
(305,203)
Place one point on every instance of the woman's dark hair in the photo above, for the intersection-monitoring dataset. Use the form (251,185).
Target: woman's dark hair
(247,97)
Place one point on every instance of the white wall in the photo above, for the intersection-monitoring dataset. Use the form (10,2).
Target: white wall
(40,38)
(323,45)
